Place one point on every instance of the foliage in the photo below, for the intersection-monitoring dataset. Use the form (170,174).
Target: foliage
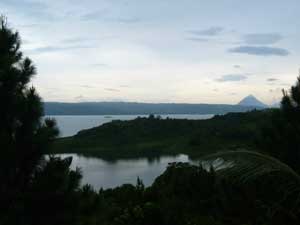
(187,194)
(31,187)
(153,136)
(260,173)
(281,137)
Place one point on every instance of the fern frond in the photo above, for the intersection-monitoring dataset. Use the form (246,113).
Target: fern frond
(253,169)
(244,166)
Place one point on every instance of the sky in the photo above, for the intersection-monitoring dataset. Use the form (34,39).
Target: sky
(191,51)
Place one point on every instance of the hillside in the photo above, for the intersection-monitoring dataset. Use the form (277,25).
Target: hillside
(131,108)
(149,137)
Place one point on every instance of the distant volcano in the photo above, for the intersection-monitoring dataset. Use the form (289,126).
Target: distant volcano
(250,100)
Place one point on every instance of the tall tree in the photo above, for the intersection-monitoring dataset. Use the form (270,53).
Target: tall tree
(20,113)
(281,137)
(290,107)
(24,138)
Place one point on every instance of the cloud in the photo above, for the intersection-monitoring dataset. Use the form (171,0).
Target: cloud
(74,40)
(125,20)
(79,97)
(124,86)
(86,86)
(81,40)
(112,89)
(286,84)
(198,39)
(104,16)
(272,79)
(49,49)
(260,51)
(232,78)
(95,15)
(277,90)
(212,31)
(21,4)
(99,65)
(262,39)
(34,9)
(30,25)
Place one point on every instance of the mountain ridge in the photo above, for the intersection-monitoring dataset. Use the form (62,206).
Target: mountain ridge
(135,108)
(251,100)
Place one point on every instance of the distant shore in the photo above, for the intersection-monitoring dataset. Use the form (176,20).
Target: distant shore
(131,108)
(153,136)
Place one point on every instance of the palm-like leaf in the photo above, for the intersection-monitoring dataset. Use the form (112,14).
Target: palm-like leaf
(244,166)
(247,168)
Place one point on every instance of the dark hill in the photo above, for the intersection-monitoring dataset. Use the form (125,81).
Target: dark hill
(131,108)
(148,137)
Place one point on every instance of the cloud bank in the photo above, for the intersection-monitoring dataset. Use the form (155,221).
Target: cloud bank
(212,31)
(262,39)
(232,78)
(260,50)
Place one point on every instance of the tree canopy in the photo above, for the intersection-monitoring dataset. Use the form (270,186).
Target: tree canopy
(24,139)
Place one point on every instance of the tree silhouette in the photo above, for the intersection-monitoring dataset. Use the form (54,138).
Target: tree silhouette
(281,137)
(20,112)
(290,106)
(24,139)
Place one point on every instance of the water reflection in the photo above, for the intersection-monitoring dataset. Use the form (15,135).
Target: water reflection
(108,174)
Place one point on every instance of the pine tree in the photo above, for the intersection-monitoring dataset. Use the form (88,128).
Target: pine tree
(281,138)
(23,135)
(26,176)
(290,108)
(290,103)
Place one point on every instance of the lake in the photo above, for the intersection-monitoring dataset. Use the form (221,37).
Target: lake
(70,125)
(108,174)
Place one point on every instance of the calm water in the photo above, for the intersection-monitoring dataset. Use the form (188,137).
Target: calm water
(70,125)
(107,174)
(100,173)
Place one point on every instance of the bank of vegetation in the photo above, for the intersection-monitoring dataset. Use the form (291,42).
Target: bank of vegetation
(153,136)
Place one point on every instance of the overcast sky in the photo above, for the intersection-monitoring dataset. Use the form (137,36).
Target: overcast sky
(193,51)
